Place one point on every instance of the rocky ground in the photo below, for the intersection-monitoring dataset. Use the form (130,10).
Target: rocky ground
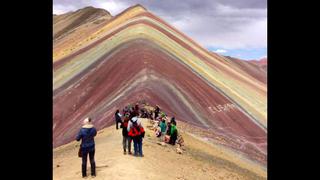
(200,160)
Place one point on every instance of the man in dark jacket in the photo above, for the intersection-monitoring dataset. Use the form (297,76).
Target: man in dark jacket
(87,134)
(117,117)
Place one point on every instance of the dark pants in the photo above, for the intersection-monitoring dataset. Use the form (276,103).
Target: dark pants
(173,139)
(137,143)
(126,142)
(85,152)
(117,124)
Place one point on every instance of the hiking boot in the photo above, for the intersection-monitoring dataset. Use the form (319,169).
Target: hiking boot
(84,172)
(124,152)
(142,155)
(130,153)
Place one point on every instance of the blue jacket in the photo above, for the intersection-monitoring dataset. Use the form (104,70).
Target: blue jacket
(163,126)
(87,134)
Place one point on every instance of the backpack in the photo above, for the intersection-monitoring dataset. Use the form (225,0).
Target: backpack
(139,129)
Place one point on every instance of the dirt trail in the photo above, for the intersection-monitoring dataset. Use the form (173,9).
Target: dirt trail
(200,161)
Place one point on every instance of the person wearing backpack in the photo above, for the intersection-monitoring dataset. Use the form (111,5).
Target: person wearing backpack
(126,142)
(86,135)
(136,132)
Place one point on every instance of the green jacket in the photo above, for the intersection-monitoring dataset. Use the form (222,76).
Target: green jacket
(173,129)
(163,126)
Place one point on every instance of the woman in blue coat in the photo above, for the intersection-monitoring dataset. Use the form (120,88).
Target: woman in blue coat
(87,134)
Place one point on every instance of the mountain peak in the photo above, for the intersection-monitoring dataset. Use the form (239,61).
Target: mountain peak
(261,62)
(139,5)
(94,10)
(67,22)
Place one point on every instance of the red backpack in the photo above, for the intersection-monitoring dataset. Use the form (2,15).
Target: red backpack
(136,130)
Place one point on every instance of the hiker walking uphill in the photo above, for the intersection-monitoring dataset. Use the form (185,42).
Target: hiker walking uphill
(117,117)
(126,141)
(86,135)
(136,132)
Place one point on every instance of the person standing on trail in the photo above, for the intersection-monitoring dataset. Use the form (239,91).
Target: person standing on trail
(117,117)
(87,134)
(136,132)
(156,112)
(163,127)
(125,110)
(173,133)
(168,128)
(126,142)
(150,114)
(173,120)
(144,113)
(136,109)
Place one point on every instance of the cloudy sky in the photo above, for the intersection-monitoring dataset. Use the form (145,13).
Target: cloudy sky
(230,27)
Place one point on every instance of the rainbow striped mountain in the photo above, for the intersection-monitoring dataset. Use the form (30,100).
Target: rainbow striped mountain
(102,62)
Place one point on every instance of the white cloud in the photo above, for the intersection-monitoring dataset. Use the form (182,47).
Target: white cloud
(60,9)
(229,11)
(223,24)
(114,7)
(220,51)
(209,32)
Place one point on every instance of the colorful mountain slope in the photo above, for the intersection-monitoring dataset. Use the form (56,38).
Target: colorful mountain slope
(136,55)
(72,27)
(263,63)
(256,69)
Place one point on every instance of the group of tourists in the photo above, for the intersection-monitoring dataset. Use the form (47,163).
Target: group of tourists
(166,131)
(132,130)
